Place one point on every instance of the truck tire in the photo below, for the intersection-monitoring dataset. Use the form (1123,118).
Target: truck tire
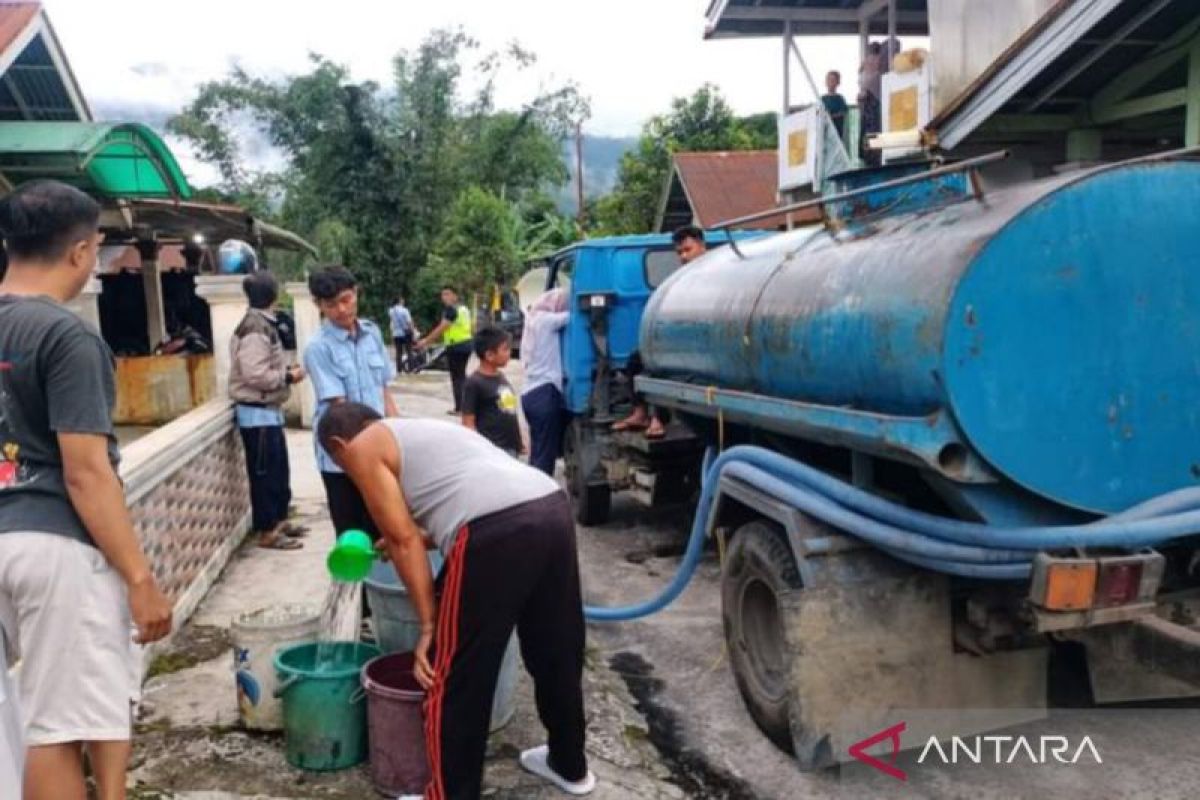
(758,569)
(591,501)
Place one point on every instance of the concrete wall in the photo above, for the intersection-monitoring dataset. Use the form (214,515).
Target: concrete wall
(185,485)
(966,36)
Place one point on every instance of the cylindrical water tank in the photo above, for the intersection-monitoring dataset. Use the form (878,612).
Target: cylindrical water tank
(1058,323)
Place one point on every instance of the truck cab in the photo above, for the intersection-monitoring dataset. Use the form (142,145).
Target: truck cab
(609,281)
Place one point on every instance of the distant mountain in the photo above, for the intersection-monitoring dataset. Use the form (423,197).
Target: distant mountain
(601,160)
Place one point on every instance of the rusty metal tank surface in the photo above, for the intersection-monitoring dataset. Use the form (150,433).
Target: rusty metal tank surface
(153,390)
(1055,324)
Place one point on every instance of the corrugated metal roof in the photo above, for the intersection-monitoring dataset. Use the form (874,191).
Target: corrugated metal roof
(106,159)
(711,188)
(730,19)
(36,82)
(176,221)
(1074,51)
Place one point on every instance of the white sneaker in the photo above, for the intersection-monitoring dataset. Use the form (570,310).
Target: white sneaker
(537,761)
(411,797)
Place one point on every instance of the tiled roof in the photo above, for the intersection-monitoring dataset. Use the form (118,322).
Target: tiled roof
(14,18)
(723,185)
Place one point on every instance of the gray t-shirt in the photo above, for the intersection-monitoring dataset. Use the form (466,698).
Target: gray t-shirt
(451,475)
(56,376)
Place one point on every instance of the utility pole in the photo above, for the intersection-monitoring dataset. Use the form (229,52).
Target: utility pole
(579,172)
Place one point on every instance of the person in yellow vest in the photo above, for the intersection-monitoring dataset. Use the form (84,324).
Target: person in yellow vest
(455,331)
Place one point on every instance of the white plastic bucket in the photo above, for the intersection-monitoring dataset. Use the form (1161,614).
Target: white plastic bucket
(397,630)
(257,636)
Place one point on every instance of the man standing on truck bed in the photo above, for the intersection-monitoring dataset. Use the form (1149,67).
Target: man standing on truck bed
(455,330)
(689,245)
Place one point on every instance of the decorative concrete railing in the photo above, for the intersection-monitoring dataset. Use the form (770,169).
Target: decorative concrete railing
(186,488)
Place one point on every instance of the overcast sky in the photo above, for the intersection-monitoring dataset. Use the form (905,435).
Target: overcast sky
(630,56)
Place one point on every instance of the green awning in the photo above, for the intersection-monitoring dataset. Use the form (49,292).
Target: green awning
(104,159)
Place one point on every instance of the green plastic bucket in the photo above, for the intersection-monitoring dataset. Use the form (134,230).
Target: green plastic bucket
(324,711)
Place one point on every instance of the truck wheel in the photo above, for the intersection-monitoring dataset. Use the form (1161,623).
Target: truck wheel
(758,568)
(591,501)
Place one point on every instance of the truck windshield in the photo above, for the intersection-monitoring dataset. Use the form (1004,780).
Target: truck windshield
(560,273)
(660,265)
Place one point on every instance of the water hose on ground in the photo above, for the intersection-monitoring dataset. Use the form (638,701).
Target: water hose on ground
(956,547)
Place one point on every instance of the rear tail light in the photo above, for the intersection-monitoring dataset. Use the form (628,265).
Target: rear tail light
(1086,582)
(1070,585)
(1118,584)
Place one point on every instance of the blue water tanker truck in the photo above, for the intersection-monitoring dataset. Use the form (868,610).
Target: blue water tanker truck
(943,439)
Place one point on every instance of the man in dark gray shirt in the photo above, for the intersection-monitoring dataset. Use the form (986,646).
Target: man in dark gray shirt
(72,573)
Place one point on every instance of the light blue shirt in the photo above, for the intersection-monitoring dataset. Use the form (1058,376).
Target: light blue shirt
(259,416)
(402,322)
(356,368)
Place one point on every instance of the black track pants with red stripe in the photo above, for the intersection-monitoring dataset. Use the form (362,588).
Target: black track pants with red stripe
(516,568)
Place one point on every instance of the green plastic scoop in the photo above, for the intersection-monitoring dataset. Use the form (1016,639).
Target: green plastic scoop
(351,558)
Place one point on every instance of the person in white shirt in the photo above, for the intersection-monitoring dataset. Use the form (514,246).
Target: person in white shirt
(542,399)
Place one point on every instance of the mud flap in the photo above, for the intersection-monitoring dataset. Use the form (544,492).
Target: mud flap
(871,641)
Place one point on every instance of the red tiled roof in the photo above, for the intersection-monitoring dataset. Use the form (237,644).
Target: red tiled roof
(14,18)
(724,185)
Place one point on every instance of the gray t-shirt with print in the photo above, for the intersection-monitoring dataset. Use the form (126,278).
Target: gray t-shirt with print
(56,376)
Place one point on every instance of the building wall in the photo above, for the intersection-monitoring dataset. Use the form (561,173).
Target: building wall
(966,36)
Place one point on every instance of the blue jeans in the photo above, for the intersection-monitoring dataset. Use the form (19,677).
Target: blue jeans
(547,419)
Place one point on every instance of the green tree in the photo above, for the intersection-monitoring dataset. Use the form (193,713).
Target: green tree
(375,177)
(474,252)
(701,122)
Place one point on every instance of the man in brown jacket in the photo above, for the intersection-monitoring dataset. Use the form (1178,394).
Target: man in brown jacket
(260,381)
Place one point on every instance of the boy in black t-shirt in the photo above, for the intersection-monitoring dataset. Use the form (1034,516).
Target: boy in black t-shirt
(489,404)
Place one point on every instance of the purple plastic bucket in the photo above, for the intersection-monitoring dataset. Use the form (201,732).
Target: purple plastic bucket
(396,725)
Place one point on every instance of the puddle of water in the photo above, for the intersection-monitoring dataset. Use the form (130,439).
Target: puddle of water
(689,770)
